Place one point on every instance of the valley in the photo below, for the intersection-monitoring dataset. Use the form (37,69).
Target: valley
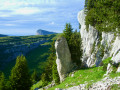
(35,48)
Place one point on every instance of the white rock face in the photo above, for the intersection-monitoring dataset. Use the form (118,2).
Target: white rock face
(93,54)
(118,70)
(63,61)
(105,84)
(109,69)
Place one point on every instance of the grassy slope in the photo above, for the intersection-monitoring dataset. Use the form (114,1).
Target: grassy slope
(81,76)
(35,58)
(37,85)
(89,75)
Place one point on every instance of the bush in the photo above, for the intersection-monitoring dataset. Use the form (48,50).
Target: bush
(107,60)
(105,63)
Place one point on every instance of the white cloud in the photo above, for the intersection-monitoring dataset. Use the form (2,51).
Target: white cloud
(4,15)
(23,7)
(52,23)
(26,11)
(8,24)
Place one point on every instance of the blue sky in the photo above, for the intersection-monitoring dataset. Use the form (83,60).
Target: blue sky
(25,17)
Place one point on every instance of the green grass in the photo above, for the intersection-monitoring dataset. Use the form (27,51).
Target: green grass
(37,85)
(81,76)
(113,75)
(107,60)
(115,87)
(17,40)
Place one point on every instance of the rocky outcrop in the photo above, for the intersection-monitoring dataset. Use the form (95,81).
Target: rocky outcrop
(63,61)
(118,70)
(109,69)
(97,46)
(44,32)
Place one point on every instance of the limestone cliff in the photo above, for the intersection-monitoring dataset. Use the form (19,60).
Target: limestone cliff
(98,45)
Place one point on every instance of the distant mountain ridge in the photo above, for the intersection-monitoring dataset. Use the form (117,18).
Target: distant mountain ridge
(1,35)
(44,32)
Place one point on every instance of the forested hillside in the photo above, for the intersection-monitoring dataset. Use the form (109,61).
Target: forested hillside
(37,48)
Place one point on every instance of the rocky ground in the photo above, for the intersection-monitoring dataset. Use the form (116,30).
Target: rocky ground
(104,84)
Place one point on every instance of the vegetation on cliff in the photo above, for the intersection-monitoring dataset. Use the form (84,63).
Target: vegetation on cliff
(104,15)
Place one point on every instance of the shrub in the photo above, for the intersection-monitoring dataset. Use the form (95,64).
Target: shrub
(105,63)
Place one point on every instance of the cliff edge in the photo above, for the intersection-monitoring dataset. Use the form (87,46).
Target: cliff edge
(97,46)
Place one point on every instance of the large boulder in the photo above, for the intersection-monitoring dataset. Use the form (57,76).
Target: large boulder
(63,61)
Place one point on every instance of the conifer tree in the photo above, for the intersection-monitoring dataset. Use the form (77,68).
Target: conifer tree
(50,72)
(55,73)
(67,32)
(34,77)
(20,78)
(74,42)
(76,48)
(2,81)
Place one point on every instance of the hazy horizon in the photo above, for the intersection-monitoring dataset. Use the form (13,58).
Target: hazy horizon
(25,17)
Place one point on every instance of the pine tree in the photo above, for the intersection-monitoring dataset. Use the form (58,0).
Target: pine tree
(50,72)
(74,42)
(67,32)
(20,78)
(45,79)
(55,73)
(34,77)
(2,81)
(76,48)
